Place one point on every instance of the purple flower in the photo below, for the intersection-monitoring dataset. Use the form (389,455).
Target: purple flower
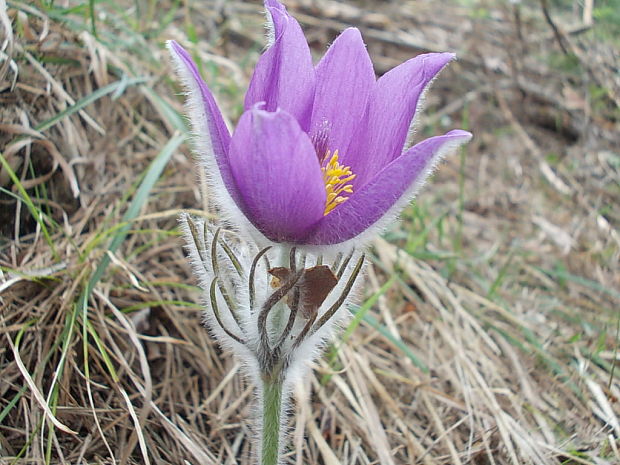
(318,156)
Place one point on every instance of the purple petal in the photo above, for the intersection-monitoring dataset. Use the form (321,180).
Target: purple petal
(395,183)
(275,4)
(345,79)
(277,174)
(390,111)
(284,75)
(205,110)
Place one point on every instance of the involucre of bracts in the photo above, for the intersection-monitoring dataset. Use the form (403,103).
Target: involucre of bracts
(273,307)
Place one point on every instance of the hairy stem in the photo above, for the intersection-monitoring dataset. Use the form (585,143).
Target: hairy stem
(272,419)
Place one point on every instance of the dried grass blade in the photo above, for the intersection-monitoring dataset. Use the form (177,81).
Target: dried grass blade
(370,412)
(35,391)
(606,412)
(138,429)
(326,452)
(197,451)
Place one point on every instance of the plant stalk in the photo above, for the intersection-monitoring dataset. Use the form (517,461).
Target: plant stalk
(272,419)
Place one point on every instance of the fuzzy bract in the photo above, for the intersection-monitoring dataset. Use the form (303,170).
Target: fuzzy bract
(274,318)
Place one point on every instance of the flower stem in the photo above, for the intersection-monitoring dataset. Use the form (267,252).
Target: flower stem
(272,413)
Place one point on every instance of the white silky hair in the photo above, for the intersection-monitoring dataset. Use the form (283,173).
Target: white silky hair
(270,30)
(204,273)
(247,328)
(420,108)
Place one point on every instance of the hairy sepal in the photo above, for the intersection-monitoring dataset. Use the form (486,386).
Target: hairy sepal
(202,147)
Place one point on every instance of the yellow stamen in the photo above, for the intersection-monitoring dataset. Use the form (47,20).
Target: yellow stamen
(336,177)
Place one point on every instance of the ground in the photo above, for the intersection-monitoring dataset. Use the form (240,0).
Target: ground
(488,331)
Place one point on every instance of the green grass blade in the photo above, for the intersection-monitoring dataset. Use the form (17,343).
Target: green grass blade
(358,315)
(372,321)
(93,20)
(96,95)
(419,239)
(563,274)
(6,410)
(362,310)
(151,176)
(102,350)
(500,277)
(166,110)
(32,208)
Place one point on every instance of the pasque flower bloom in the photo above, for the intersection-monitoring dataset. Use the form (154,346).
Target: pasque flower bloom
(318,156)
(316,165)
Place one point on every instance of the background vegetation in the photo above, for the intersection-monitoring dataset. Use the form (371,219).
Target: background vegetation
(489,328)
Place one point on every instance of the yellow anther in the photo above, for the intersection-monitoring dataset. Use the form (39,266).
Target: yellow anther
(336,177)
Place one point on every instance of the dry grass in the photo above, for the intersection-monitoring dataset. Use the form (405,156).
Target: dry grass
(490,333)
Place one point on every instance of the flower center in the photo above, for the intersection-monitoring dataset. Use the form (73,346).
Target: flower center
(336,178)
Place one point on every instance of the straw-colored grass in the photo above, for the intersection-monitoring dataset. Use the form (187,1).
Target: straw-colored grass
(489,331)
